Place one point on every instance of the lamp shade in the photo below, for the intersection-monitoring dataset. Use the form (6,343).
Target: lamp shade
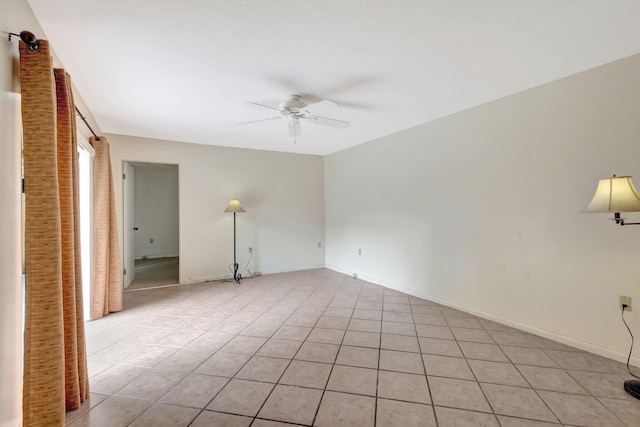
(234,206)
(616,194)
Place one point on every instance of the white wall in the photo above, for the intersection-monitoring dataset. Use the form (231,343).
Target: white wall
(481,210)
(156,210)
(282,193)
(10,220)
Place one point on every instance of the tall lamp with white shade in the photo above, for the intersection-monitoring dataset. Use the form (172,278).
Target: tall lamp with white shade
(235,207)
(615,195)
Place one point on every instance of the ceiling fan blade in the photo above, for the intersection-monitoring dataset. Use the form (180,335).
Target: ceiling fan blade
(261,120)
(325,121)
(265,106)
(325,103)
(294,128)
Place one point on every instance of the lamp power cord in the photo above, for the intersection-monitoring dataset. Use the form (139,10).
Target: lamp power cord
(247,266)
(251,275)
(624,306)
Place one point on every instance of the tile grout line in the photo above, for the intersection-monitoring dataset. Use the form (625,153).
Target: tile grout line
(424,367)
(484,394)
(336,357)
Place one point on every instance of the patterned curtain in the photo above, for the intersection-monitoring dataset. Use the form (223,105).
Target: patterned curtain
(55,367)
(107,285)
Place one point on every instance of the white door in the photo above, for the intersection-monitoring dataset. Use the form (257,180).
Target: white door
(129,224)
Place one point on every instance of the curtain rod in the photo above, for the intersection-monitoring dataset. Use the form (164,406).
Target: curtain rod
(32,43)
(84,119)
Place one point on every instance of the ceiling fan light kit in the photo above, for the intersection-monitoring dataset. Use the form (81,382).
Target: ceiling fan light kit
(295,109)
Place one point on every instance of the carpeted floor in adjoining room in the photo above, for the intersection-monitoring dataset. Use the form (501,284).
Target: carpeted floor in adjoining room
(320,348)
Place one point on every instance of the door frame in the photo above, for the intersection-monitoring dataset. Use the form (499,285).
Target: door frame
(128,224)
(125,211)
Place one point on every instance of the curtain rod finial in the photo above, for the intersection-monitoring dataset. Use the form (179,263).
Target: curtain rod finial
(28,38)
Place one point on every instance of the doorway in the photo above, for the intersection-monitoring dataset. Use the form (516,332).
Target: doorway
(151,230)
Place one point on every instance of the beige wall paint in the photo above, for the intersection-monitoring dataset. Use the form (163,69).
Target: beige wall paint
(481,210)
(282,193)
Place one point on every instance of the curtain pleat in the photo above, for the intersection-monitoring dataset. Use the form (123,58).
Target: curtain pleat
(43,389)
(55,372)
(76,379)
(107,285)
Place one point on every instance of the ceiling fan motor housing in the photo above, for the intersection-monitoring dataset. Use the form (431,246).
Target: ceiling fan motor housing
(293,104)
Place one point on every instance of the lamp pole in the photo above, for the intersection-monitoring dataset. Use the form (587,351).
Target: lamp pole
(236,276)
(235,206)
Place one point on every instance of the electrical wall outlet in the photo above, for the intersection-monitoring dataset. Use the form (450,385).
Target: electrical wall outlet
(622,299)
(250,250)
(359,251)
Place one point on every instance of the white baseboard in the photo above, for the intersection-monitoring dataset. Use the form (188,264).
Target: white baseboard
(572,342)
(305,268)
(157,256)
(229,276)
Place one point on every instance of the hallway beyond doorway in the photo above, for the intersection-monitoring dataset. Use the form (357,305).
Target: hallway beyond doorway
(155,272)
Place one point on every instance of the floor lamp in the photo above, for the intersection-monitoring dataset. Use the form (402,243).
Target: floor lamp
(614,195)
(235,207)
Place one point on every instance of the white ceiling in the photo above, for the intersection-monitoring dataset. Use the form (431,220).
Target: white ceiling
(185,70)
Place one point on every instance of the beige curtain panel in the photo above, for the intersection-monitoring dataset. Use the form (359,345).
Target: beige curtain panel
(107,283)
(55,368)
(74,338)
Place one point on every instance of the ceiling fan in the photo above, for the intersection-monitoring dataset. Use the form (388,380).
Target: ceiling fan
(296,110)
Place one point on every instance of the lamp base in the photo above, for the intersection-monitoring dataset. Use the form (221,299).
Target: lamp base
(633,388)
(236,276)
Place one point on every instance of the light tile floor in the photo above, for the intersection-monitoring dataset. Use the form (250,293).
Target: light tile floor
(320,348)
